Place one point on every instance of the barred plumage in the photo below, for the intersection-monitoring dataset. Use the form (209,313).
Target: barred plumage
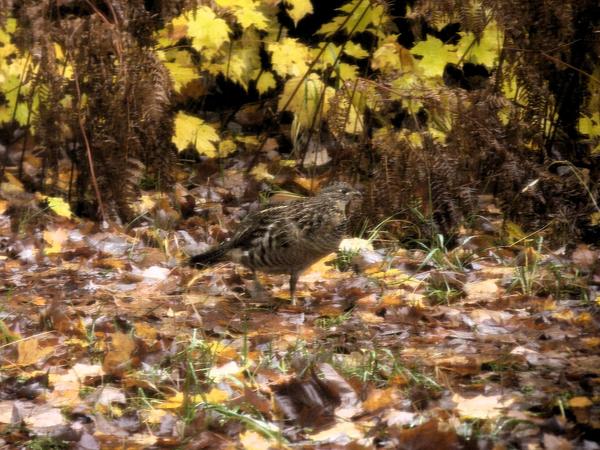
(287,238)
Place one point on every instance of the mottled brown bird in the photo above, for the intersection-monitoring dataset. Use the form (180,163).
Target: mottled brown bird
(288,238)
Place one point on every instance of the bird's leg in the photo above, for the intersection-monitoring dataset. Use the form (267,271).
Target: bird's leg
(293,281)
(257,289)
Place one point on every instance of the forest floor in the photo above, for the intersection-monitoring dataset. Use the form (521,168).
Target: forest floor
(108,341)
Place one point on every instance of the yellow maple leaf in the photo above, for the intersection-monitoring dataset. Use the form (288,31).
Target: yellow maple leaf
(208,32)
(261,172)
(265,82)
(216,396)
(251,440)
(355,50)
(485,50)
(246,13)
(298,9)
(435,55)
(289,57)
(190,130)
(180,67)
(242,62)
(173,402)
(226,147)
(30,352)
(364,16)
(347,71)
(55,239)
(59,206)
(12,183)
(392,56)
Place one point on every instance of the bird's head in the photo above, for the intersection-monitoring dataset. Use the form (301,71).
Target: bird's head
(341,188)
(347,196)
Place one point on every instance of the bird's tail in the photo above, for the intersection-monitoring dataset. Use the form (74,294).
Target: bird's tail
(209,257)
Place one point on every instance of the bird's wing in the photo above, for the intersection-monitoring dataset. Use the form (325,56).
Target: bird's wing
(261,225)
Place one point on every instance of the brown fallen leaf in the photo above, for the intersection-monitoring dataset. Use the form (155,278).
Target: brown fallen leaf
(482,291)
(552,442)
(430,435)
(29,352)
(584,257)
(380,398)
(118,358)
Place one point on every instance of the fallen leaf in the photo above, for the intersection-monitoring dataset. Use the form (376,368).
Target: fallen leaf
(44,417)
(580,402)
(379,399)
(251,440)
(341,433)
(118,357)
(55,239)
(552,442)
(430,435)
(6,411)
(584,257)
(29,352)
(216,396)
(481,406)
(482,291)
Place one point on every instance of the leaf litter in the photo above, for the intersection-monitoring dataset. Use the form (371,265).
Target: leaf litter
(107,339)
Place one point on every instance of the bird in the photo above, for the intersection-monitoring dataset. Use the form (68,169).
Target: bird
(287,239)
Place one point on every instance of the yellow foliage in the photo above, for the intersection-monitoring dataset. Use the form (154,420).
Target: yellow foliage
(590,125)
(226,147)
(486,50)
(355,50)
(180,66)
(435,55)
(246,13)
(261,172)
(392,56)
(306,100)
(329,57)
(265,82)
(208,32)
(251,440)
(59,206)
(216,396)
(190,130)
(289,57)
(298,9)
(364,16)
(12,184)
(242,63)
